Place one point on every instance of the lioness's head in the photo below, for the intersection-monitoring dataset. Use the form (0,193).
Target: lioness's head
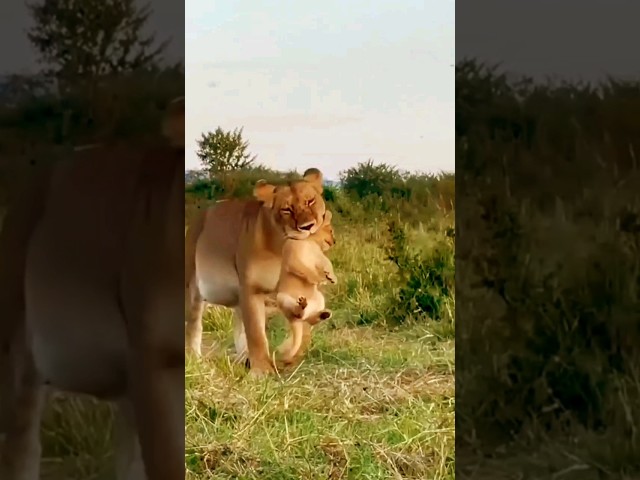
(298,208)
(325,236)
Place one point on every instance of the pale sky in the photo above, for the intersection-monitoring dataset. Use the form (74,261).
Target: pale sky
(324,84)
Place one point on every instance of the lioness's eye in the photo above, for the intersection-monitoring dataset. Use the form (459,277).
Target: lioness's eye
(286,211)
(311,202)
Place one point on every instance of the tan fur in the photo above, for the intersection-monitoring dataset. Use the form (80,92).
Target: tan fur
(237,259)
(92,299)
(304,267)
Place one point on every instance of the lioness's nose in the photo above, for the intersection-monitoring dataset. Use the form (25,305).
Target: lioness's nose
(307,226)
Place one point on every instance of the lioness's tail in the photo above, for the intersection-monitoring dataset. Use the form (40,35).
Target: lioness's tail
(191,239)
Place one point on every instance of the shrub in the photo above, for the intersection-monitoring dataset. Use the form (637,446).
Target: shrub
(426,278)
(367,178)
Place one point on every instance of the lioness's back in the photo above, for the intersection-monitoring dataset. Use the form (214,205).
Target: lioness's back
(225,221)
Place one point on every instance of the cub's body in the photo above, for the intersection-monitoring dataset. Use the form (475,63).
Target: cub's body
(304,268)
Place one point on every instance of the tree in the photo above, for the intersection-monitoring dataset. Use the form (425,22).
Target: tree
(221,152)
(91,38)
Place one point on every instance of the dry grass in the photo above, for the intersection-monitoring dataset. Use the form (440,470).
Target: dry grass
(365,403)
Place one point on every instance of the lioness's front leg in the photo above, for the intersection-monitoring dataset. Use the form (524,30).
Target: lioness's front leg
(254,319)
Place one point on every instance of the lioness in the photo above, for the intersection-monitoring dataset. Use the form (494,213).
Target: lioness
(91,285)
(304,267)
(233,256)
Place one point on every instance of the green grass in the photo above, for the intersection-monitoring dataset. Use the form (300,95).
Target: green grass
(365,403)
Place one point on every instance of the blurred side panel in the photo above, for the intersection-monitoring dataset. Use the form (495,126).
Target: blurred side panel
(91,240)
(547,138)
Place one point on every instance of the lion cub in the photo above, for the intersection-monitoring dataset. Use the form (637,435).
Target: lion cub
(304,267)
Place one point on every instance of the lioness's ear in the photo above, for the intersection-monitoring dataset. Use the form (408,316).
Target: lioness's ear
(314,177)
(264,192)
(327,217)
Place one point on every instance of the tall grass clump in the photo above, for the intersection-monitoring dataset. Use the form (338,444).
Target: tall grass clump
(426,277)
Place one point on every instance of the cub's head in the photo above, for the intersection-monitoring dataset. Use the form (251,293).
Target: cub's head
(325,236)
(298,208)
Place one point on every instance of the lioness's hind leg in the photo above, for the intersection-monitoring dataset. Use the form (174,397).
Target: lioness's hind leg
(194,310)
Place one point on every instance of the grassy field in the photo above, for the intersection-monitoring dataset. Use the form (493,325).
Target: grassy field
(367,402)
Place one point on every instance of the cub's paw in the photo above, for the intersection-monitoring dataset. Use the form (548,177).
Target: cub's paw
(331,277)
(302,302)
(321,316)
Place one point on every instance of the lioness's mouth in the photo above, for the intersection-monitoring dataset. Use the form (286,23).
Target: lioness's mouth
(307,227)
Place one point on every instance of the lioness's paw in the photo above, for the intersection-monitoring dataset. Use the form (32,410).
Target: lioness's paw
(260,368)
(194,349)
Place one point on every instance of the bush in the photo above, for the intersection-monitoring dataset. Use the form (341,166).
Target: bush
(368,179)
(426,277)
